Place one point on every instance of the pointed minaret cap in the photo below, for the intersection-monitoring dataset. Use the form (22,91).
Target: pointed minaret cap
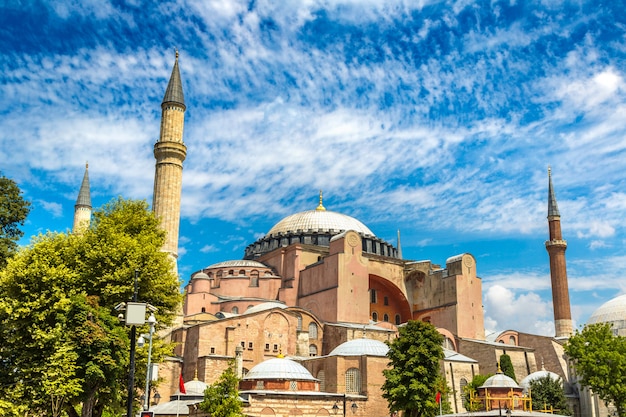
(320,207)
(553,208)
(84,195)
(174,92)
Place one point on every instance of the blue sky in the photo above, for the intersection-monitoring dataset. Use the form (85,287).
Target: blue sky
(437,118)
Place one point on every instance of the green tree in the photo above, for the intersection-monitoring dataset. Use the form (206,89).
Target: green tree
(13,212)
(599,358)
(471,390)
(221,399)
(506,366)
(548,392)
(414,377)
(62,341)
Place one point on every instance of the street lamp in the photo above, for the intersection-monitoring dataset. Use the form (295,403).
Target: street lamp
(151,322)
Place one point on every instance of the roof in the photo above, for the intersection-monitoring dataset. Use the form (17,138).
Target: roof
(451,355)
(279,368)
(265,306)
(553,208)
(358,347)
(84,195)
(174,91)
(500,380)
(319,220)
(238,263)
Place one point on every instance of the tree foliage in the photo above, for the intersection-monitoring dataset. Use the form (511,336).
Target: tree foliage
(63,346)
(13,212)
(221,399)
(414,377)
(599,358)
(506,366)
(548,392)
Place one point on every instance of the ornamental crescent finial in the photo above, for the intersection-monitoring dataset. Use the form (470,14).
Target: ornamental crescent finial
(321,206)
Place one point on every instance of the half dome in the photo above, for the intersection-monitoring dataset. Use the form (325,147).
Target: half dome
(319,221)
(279,369)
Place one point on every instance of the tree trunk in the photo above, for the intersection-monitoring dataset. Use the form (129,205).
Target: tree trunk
(71,411)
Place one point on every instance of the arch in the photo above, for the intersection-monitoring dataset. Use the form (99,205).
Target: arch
(203,310)
(235,310)
(254,278)
(353,381)
(299,317)
(231,272)
(312,330)
(374,316)
(322,412)
(267,412)
(242,272)
(387,298)
(398,320)
(386,318)
(312,350)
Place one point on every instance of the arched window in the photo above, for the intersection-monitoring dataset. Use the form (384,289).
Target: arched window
(204,309)
(353,381)
(235,310)
(448,343)
(312,330)
(512,340)
(398,319)
(218,278)
(242,272)
(386,317)
(299,322)
(312,350)
(231,272)
(321,375)
(254,278)
(375,316)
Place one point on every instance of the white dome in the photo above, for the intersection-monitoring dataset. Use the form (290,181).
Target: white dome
(279,368)
(358,347)
(613,312)
(500,380)
(195,387)
(525,383)
(319,220)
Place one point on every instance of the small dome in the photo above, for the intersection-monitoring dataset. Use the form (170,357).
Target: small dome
(238,263)
(358,347)
(200,275)
(500,380)
(319,220)
(265,306)
(279,368)
(613,312)
(195,387)
(525,383)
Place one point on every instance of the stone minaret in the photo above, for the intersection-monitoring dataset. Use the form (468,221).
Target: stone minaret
(82,208)
(170,152)
(558,273)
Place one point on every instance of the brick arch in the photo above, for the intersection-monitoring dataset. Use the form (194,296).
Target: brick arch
(267,412)
(322,412)
(397,302)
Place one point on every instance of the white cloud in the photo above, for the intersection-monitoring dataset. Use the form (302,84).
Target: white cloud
(527,312)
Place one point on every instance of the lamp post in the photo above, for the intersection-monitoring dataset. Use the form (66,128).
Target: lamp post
(152,322)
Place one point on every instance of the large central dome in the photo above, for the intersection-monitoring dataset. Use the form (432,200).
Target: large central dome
(318,221)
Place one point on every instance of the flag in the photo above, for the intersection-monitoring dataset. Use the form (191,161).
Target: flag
(438,397)
(181,385)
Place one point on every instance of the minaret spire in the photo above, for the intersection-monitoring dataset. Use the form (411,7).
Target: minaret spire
(399,246)
(82,208)
(556,247)
(170,152)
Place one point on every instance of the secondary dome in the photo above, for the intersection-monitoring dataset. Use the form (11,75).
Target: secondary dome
(499,380)
(525,383)
(613,312)
(358,347)
(279,368)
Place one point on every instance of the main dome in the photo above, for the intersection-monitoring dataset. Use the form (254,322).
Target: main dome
(613,312)
(319,221)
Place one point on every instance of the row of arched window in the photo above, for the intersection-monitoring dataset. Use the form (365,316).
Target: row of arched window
(397,318)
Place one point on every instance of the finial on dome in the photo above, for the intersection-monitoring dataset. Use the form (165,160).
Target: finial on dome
(195,374)
(499,371)
(280,354)
(321,206)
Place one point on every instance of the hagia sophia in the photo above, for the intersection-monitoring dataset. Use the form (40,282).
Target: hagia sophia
(305,313)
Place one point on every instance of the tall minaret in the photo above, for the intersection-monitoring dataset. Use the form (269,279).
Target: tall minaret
(558,273)
(82,208)
(170,152)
